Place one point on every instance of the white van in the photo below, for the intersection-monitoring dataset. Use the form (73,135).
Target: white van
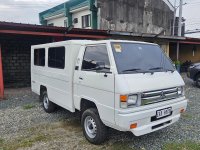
(125,85)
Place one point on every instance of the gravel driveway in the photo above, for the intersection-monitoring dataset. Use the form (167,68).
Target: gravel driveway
(24,125)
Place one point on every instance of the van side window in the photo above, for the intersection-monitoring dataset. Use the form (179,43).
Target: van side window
(39,57)
(56,57)
(94,55)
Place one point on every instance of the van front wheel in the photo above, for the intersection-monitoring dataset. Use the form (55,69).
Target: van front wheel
(93,128)
(48,106)
(198,81)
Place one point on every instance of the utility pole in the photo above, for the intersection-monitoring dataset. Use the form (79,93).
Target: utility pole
(179,29)
(174,21)
(180,18)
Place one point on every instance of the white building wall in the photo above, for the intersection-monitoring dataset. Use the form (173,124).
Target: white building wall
(79,14)
(59,22)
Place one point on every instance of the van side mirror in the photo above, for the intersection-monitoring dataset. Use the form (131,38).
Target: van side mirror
(100,66)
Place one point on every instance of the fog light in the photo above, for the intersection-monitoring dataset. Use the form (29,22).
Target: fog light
(133,126)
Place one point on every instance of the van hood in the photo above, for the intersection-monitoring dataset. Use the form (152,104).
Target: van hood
(137,83)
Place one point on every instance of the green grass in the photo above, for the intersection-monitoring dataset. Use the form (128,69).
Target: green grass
(120,146)
(28,106)
(24,142)
(188,145)
(186,116)
(40,133)
(1,143)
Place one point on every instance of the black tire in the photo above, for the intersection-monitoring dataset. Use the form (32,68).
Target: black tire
(198,80)
(101,130)
(48,106)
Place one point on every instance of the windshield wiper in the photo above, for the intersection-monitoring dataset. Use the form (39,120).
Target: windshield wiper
(134,70)
(138,70)
(156,68)
(161,68)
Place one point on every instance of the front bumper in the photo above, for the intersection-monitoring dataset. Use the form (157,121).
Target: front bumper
(144,121)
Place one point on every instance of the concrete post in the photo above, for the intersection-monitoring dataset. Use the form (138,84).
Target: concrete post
(180,18)
(174,21)
(177,51)
(1,78)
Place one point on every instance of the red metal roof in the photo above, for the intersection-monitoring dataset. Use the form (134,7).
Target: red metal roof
(190,40)
(40,30)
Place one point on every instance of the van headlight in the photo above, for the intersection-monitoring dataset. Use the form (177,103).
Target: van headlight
(132,100)
(127,101)
(181,91)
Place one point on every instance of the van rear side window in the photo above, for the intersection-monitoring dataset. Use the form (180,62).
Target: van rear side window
(56,57)
(39,57)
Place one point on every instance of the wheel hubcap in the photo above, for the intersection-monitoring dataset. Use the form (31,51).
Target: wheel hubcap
(90,126)
(46,102)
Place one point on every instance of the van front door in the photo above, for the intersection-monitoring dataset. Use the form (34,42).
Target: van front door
(95,82)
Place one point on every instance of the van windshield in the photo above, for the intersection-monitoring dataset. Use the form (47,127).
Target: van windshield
(140,58)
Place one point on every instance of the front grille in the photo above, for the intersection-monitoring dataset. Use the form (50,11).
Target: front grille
(158,96)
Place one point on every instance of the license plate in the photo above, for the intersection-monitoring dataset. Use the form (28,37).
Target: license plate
(163,112)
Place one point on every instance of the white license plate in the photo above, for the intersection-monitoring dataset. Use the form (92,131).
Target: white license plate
(163,112)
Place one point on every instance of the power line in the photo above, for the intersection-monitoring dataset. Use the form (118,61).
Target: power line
(196,3)
(192,31)
(193,24)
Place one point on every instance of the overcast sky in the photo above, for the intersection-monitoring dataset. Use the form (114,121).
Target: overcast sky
(26,11)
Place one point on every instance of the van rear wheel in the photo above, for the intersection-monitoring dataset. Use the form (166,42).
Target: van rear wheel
(93,128)
(48,106)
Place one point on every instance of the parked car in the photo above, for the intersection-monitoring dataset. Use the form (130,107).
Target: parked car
(194,73)
(185,65)
(125,85)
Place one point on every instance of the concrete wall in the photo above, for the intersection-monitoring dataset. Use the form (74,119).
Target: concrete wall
(16,65)
(16,51)
(59,22)
(165,47)
(140,16)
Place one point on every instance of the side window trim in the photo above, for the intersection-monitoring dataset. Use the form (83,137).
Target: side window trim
(85,48)
(38,64)
(63,63)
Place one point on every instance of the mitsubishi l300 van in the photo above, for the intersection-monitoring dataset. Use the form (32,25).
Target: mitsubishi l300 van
(126,85)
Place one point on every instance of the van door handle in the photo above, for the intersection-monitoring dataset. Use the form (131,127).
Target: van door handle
(80,78)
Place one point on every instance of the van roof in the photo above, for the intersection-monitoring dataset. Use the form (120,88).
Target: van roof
(86,42)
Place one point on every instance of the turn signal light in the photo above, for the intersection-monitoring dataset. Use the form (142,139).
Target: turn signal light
(133,126)
(182,110)
(123,98)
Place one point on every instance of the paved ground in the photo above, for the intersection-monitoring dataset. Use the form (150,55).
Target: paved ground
(24,125)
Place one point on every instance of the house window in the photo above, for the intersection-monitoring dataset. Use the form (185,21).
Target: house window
(56,57)
(39,57)
(86,21)
(51,24)
(75,20)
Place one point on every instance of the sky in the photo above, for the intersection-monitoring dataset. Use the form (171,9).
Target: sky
(26,11)
(191,14)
